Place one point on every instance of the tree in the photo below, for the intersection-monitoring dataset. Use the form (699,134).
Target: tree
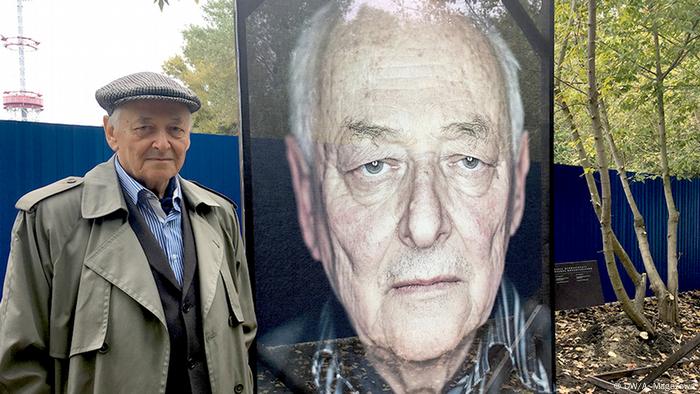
(643,46)
(602,165)
(208,67)
(626,82)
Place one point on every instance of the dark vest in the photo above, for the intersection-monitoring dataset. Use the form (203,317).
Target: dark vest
(187,370)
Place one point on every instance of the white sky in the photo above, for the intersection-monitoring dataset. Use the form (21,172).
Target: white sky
(86,44)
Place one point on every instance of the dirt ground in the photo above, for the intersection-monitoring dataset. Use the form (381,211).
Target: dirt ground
(602,339)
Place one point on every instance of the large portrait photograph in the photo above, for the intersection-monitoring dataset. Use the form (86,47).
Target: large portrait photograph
(396,207)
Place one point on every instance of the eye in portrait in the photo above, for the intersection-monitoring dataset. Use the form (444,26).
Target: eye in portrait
(393,160)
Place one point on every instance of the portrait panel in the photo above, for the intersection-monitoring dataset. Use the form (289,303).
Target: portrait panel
(396,164)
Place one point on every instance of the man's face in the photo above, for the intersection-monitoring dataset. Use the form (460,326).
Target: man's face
(409,205)
(151,139)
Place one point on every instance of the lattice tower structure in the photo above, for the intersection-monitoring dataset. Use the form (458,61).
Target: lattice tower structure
(23,103)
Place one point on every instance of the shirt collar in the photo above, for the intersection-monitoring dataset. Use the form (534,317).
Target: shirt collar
(132,188)
(506,328)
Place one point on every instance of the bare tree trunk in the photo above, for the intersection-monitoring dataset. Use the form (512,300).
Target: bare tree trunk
(602,165)
(640,292)
(638,280)
(619,250)
(655,281)
(668,306)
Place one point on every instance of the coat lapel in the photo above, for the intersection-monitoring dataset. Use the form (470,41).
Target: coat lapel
(150,246)
(208,242)
(117,254)
(121,261)
(209,257)
(190,251)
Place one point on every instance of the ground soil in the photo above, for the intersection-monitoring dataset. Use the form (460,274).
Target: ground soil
(601,339)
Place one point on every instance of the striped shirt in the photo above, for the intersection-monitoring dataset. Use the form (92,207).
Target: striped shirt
(509,327)
(166,228)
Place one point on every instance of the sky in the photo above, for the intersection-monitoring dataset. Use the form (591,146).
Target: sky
(84,44)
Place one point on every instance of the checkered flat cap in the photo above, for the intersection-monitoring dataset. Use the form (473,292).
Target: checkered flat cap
(145,86)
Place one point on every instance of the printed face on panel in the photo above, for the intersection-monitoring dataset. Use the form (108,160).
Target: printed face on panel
(401,128)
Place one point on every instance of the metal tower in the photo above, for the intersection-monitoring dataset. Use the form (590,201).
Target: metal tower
(22,101)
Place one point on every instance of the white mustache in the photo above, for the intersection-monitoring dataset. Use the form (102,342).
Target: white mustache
(415,264)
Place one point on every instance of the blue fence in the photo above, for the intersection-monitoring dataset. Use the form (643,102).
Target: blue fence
(577,232)
(36,154)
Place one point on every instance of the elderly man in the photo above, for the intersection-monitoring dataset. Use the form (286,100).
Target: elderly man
(130,279)
(408,160)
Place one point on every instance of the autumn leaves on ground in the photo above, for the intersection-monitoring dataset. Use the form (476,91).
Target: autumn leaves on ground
(601,339)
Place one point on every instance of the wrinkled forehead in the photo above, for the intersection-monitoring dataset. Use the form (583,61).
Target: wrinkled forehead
(421,20)
(379,52)
(394,38)
(407,9)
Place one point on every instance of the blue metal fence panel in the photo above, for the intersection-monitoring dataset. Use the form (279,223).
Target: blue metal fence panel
(577,232)
(36,154)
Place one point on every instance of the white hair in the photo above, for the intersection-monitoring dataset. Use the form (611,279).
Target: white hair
(306,61)
(114,118)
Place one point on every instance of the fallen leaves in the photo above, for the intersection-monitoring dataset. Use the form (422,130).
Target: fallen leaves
(602,339)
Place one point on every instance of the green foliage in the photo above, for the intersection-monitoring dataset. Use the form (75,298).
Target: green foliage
(626,76)
(208,67)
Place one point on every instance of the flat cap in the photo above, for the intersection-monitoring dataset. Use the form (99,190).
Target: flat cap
(145,86)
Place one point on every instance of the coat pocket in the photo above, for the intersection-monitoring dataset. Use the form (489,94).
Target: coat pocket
(235,312)
(91,313)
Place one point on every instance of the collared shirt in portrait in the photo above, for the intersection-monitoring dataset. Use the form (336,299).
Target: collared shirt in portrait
(510,327)
(166,227)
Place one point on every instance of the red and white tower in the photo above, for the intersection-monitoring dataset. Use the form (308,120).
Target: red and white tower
(23,103)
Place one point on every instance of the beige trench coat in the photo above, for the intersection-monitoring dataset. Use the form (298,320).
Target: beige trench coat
(80,311)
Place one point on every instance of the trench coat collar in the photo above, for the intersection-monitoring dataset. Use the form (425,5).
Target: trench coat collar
(102,195)
(102,192)
(195,195)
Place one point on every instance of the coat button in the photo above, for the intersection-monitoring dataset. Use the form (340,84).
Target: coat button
(104,348)
(238,389)
(191,363)
(231,321)
(186,308)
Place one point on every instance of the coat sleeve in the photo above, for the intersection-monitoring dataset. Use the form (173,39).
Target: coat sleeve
(25,363)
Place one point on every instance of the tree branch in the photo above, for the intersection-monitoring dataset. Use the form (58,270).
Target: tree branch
(624,56)
(568,84)
(684,50)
